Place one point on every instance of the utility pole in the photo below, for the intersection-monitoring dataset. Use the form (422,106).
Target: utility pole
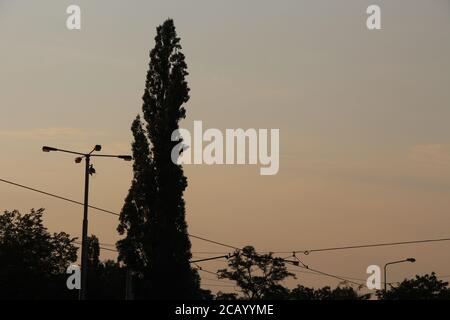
(84,244)
(89,170)
(129,294)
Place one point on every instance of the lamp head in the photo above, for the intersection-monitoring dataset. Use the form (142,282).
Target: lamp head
(48,149)
(126,158)
(98,147)
(412,260)
(78,160)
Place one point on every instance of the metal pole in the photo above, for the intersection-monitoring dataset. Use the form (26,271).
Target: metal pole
(84,245)
(129,295)
(385,279)
(412,260)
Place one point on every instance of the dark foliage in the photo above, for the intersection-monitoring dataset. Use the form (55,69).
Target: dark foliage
(427,287)
(326,293)
(258,276)
(106,280)
(156,243)
(33,262)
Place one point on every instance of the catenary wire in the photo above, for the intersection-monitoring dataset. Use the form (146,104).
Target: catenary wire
(239,249)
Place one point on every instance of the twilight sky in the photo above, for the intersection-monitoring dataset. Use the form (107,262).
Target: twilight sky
(363,118)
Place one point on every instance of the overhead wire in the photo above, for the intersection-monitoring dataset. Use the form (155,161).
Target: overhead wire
(305,252)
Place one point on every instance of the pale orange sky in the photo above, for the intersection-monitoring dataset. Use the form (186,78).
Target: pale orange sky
(363,118)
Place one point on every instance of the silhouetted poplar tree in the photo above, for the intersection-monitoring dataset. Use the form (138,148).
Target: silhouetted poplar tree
(153,217)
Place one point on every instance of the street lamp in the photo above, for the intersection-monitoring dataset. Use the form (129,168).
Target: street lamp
(412,260)
(89,170)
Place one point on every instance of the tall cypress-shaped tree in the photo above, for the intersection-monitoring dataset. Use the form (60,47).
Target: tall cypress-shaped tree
(153,217)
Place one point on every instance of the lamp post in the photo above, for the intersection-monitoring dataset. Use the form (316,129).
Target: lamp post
(412,260)
(89,170)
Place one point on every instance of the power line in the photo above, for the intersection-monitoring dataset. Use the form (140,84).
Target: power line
(374,245)
(101,247)
(215,242)
(212,258)
(332,276)
(217,285)
(386,244)
(315,273)
(306,252)
(209,252)
(99,209)
(199,268)
(353,278)
(312,271)
(56,196)
(108,249)
(216,280)
(107,244)
(303,267)
(319,272)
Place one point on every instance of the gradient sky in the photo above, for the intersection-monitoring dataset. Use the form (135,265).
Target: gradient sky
(363,118)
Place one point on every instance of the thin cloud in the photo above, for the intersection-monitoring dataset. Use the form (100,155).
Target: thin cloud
(431,154)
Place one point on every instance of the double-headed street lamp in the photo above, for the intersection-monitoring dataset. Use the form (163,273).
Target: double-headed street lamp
(89,170)
(412,260)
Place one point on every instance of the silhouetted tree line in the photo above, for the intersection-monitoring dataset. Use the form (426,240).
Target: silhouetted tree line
(33,262)
(33,265)
(426,287)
